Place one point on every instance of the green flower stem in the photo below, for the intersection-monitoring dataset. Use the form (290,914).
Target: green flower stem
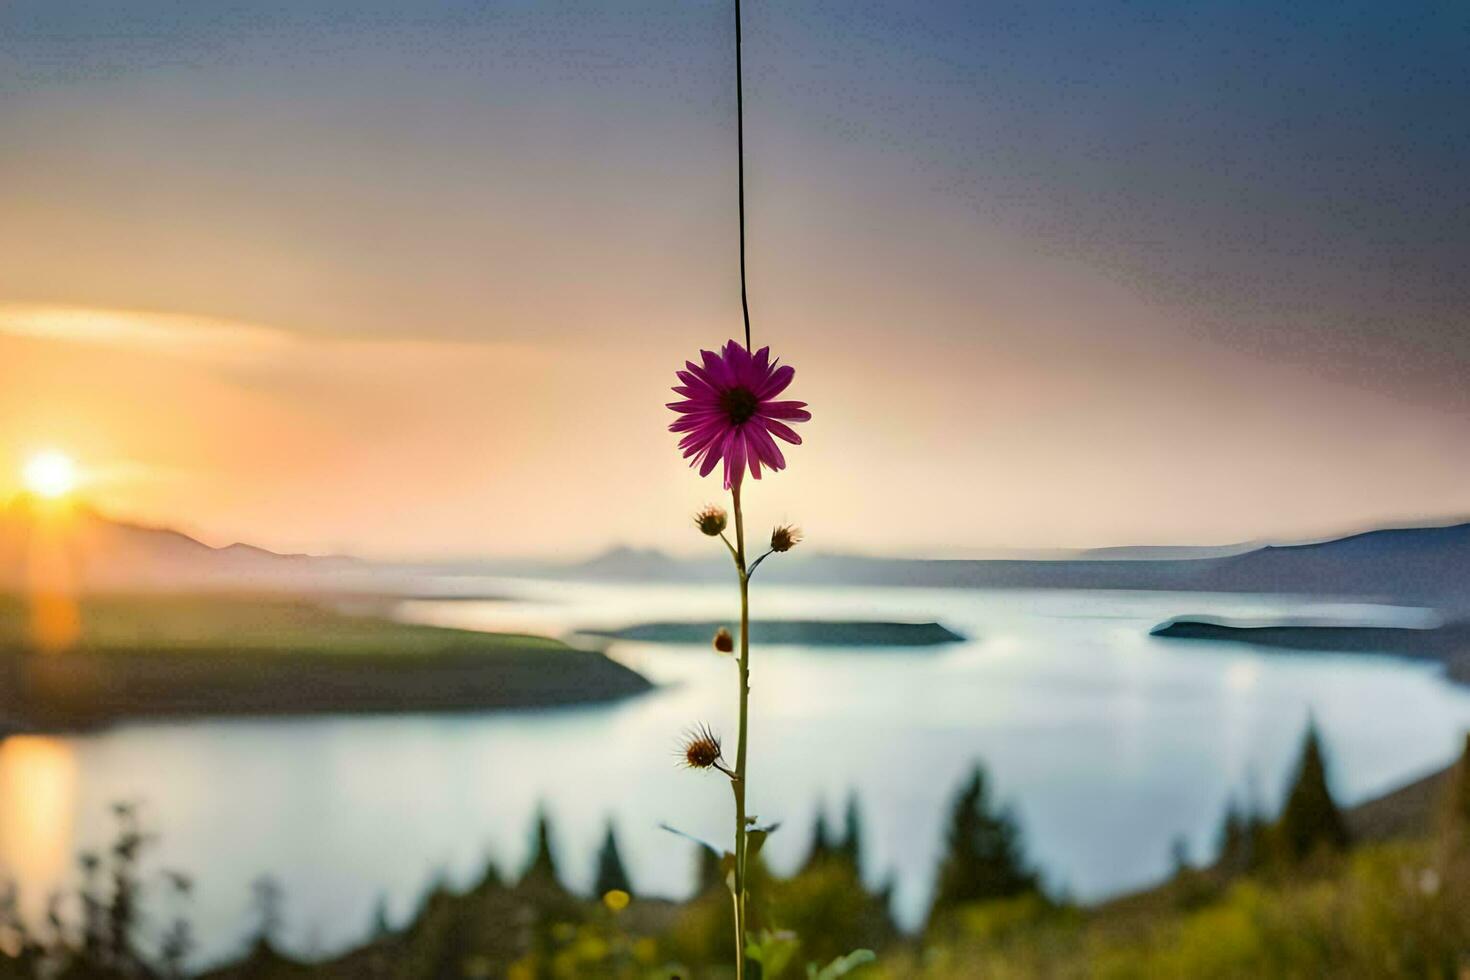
(737,783)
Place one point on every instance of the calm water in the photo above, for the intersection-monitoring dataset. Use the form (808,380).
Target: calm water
(1108,743)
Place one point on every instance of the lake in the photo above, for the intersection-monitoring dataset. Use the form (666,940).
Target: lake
(1108,743)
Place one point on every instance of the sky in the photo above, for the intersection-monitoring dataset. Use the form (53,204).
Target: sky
(412,280)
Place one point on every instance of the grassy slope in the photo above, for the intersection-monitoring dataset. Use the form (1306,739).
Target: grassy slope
(1386,910)
(152,656)
(1397,905)
(1398,910)
(275,624)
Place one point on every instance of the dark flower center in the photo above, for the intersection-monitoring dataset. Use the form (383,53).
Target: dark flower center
(738,403)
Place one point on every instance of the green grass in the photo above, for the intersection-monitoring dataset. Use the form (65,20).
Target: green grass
(263,624)
(166,656)
(1398,909)
(1395,910)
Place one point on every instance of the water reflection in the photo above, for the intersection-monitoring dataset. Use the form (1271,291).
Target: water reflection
(38,803)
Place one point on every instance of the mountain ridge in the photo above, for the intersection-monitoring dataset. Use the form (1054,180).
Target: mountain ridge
(1427,563)
(98,552)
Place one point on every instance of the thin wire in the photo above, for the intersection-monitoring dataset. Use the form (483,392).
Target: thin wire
(740,154)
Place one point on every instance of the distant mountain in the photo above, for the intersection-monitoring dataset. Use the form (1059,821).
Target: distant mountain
(1418,564)
(1164,552)
(639,564)
(94,552)
(1429,562)
(1429,565)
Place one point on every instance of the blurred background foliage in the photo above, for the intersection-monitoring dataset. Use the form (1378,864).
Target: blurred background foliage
(1292,896)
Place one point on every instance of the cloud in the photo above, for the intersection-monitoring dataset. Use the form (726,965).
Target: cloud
(175,334)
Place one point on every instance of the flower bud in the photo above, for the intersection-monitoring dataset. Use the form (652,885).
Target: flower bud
(701,749)
(724,642)
(711,520)
(785,537)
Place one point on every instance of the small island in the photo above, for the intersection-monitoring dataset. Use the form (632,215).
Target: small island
(1448,644)
(794,632)
(171,656)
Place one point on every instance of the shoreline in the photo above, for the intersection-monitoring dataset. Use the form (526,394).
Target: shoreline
(1448,645)
(789,632)
(163,658)
(88,690)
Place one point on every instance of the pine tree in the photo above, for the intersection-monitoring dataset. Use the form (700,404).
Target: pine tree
(381,925)
(267,899)
(1232,832)
(1258,832)
(1236,840)
(850,848)
(490,878)
(983,859)
(821,848)
(543,862)
(1179,855)
(707,872)
(1455,801)
(1310,820)
(610,873)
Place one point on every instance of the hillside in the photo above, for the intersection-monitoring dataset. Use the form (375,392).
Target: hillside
(100,553)
(167,656)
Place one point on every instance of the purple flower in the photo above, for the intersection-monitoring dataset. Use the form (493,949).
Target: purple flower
(728,412)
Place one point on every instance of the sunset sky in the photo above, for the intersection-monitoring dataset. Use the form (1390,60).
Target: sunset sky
(412,280)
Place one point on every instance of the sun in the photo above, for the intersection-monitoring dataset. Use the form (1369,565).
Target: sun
(50,474)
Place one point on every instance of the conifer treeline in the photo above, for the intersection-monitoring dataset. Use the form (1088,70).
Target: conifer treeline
(984,856)
(1309,827)
(984,852)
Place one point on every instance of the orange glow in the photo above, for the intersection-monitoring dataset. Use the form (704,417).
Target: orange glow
(56,623)
(38,793)
(55,619)
(271,437)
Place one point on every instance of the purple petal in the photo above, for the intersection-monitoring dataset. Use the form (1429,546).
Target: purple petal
(716,369)
(704,415)
(704,431)
(785,410)
(762,363)
(702,376)
(734,450)
(710,460)
(765,447)
(738,360)
(695,388)
(689,423)
(702,436)
(780,378)
(693,380)
(707,395)
(780,430)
